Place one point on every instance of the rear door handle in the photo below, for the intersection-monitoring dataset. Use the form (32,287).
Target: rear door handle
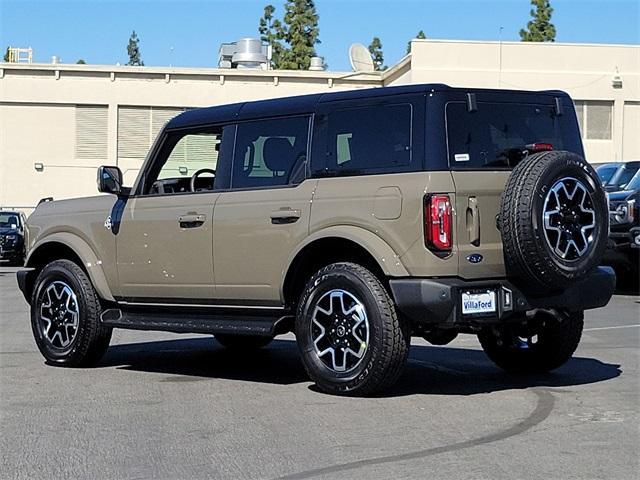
(191,221)
(285,215)
(473,222)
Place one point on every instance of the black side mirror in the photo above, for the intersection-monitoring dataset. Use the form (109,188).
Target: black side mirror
(109,180)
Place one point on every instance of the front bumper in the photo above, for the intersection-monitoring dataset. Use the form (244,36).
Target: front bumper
(624,239)
(439,301)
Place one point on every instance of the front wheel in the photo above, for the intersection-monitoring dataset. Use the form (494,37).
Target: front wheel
(544,342)
(350,338)
(65,316)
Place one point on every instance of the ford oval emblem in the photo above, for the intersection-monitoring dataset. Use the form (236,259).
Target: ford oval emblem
(475,258)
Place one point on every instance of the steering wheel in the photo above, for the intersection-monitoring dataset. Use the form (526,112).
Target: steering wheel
(197,174)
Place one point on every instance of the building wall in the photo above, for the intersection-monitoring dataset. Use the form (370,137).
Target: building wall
(73,118)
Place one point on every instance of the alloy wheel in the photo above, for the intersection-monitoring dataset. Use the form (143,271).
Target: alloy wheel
(340,330)
(59,314)
(569,219)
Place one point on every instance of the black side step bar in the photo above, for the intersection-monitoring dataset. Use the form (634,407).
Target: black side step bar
(200,322)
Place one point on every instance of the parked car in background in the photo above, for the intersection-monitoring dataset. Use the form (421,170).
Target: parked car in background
(606,170)
(12,231)
(622,176)
(623,250)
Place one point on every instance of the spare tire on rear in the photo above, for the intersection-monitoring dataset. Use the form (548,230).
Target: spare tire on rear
(553,220)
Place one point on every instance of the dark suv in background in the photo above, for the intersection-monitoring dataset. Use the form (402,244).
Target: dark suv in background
(624,236)
(12,244)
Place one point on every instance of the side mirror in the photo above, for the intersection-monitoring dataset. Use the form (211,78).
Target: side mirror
(109,180)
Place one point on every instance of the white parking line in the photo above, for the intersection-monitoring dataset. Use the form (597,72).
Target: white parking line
(610,328)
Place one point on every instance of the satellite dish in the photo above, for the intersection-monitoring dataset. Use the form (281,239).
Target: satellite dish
(361,60)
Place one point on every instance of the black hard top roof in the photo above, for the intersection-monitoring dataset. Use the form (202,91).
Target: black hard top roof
(307,103)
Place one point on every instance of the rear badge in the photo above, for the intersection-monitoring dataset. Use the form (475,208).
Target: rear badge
(475,258)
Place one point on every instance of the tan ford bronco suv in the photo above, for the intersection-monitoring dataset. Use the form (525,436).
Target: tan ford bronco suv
(354,219)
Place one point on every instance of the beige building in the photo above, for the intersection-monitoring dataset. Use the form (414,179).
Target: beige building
(59,122)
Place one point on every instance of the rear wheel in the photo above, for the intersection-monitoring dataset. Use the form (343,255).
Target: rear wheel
(65,316)
(243,342)
(544,342)
(350,338)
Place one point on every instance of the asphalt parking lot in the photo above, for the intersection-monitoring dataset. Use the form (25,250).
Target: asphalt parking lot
(180,406)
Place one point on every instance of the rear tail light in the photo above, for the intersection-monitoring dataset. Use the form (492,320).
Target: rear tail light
(438,223)
(539,147)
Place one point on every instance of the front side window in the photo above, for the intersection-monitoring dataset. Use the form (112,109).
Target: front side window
(376,139)
(186,163)
(269,152)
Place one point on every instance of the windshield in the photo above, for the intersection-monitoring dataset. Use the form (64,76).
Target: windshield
(9,220)
(624,174)
(605,172)
(634,183)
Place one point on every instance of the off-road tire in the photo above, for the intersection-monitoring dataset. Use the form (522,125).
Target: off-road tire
(528,257)
(92,338)
(389,338)
(557,341)
(243,342)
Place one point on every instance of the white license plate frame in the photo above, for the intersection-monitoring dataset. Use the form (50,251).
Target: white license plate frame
(479,302)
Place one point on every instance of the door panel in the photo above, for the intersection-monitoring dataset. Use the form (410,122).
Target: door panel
(477,204)
(164,247)
(255,233)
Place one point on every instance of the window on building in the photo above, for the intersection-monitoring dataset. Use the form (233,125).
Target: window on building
(269,151)
(138,128)
(91,132)
(595,118)
(374,139)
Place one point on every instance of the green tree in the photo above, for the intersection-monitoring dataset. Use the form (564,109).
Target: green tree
(420,35)
(540,28)
(301,33)
(271,32)
(81,62)
(133,50)
(293,39)
(6,55)
(375,49)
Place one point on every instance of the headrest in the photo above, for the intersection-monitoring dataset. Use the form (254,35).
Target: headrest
(278,154)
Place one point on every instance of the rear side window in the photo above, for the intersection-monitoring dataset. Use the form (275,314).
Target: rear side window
(374,139)
(269,152)
(487,137)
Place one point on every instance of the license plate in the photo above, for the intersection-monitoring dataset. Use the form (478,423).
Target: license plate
(478,302)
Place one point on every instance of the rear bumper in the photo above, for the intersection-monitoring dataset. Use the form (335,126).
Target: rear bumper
(439,301)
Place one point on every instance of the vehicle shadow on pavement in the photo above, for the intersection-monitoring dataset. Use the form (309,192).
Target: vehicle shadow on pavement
(458,371)
(430,370)
(279,363)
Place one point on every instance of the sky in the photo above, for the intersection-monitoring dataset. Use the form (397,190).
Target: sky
(188,33)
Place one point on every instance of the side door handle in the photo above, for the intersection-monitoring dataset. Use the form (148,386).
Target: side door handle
(191,220)
(285,215)
(473,221)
